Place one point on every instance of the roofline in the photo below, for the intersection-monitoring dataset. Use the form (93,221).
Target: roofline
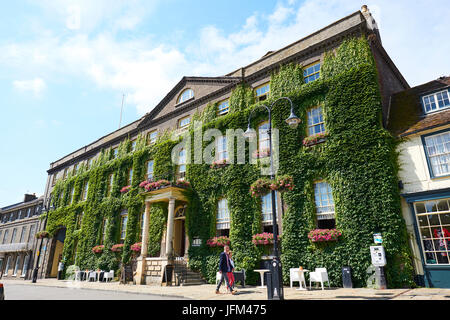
(266,56)
(21,204)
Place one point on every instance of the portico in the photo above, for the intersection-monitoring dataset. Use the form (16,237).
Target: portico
(175,241)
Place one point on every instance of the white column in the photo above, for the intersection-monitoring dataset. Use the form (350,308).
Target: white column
(170,222)
(144,247)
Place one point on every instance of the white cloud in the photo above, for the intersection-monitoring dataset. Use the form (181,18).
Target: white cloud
(35,86)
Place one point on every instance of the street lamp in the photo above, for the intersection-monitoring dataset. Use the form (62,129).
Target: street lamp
(45,210)
(292,121)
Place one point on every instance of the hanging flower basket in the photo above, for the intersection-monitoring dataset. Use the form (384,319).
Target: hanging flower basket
(324,235)
(263,239)
(136,248)
(263,186)
(117,247)
(125,189)
(315,139)
(218,164)
(218,242)
(42,235)
(98,249)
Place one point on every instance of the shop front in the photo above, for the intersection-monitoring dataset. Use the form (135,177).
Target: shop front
(431,216)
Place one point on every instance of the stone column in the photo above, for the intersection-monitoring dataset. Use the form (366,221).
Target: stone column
(144,248)
(170,223)
(141,262)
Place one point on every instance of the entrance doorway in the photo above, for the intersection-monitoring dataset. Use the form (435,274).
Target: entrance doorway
(179,236)
(56,252)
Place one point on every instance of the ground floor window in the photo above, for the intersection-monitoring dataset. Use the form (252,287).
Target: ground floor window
(8,263)
(17,265)
(433,220)
(25,265)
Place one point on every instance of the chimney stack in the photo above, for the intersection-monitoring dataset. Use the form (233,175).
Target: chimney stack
(29,197)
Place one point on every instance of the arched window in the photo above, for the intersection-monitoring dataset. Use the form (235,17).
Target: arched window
(185,95)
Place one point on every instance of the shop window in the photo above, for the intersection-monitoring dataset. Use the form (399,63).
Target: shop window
(223,218)
(437,150)
(311,72)
(433,220)
(316,124)
(324,203)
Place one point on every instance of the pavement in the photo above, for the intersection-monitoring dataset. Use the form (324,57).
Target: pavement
(207,291)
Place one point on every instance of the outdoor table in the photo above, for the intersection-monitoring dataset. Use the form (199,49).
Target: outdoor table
(261,272)
(301,278)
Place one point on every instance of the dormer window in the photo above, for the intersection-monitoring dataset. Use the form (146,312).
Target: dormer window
(185,95)
(436,101)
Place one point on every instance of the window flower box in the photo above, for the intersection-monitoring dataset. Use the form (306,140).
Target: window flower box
(218,242)
(324,235)
(180,183)
(151,186)
(315,139)
(98,249)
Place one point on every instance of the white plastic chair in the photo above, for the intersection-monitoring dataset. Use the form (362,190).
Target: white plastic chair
(92,275)
(319,275)
(108,275)
(293,276)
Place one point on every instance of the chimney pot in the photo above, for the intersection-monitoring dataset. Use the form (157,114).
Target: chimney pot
(364,8)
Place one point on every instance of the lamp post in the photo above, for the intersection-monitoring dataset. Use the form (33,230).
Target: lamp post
(46,210)
(292,121)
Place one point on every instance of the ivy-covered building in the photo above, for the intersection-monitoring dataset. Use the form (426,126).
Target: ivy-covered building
(421,119)
(341,159)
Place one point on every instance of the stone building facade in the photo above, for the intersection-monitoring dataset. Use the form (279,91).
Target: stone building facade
(18,225)
(193,95)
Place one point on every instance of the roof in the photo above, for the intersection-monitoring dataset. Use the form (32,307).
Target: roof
(22,204)
(406,114)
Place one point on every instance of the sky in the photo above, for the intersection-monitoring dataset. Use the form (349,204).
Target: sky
(65,65)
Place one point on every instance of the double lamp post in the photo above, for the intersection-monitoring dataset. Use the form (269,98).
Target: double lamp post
(276,271)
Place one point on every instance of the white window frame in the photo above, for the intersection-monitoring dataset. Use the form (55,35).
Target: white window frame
(312,124)
(184,126)
(223,217)
(85,191)
(432,99)
(438,153)
(8,262)
(26,261)
(123,228)
(324,207)
(22,234)
(263,137)
(181,168)
(266,208)
(262,91)
(221,148)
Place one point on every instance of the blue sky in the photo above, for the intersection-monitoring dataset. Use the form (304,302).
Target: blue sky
(65,64)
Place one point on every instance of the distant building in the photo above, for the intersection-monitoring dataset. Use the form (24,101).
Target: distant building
(19,224)
(421,116)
